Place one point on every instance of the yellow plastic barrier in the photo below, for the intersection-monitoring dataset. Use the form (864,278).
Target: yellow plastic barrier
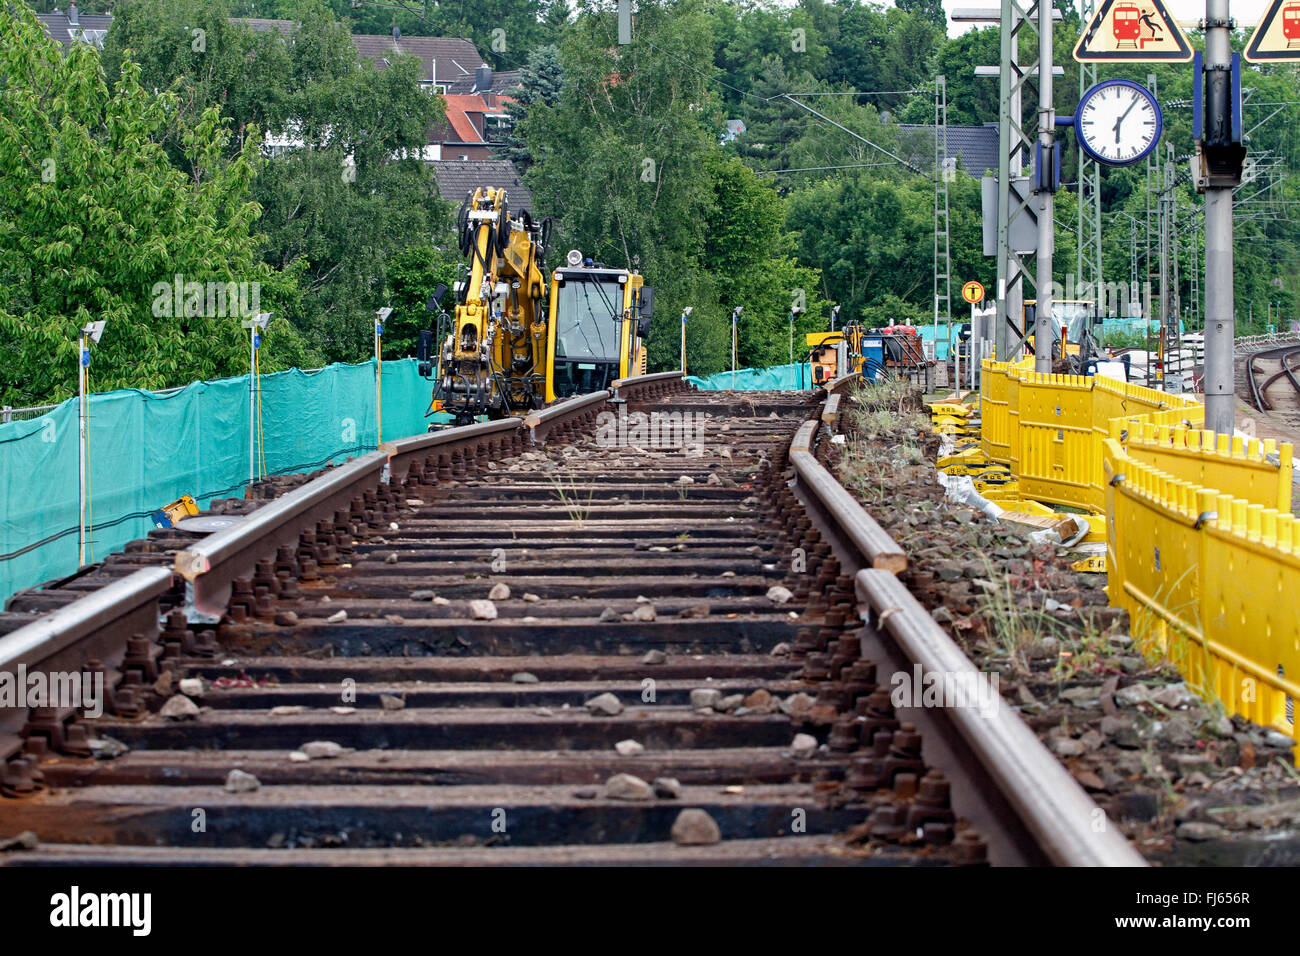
(1054,428)
(1201,548)
(994,420)
(1049,428)
(1237,467)
(1113,399)
(1209,580)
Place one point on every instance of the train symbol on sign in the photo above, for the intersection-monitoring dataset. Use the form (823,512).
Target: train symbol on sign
(1291,25)
(1127,27)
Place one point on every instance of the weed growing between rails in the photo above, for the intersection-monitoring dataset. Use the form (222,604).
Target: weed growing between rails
(571,497)
(1167,768)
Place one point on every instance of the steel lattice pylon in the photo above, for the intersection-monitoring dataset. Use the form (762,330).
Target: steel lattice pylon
(1015,147)
(942,224)
(1088,267)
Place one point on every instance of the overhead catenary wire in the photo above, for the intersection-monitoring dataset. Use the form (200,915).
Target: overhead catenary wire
(902,162)
(810,169)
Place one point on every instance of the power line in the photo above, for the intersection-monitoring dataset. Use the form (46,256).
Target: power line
(881,149)
(862,93)
(809,169)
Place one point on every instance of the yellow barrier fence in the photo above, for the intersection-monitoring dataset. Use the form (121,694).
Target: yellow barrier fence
(1202,550)
(1049,428)
(1256,471)
(1209,580)
(994,413)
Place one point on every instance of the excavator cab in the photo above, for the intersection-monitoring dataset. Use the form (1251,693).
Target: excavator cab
(598,319)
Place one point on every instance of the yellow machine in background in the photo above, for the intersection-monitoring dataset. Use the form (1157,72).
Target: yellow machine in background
(892,350)
(1070,321)
(519,338)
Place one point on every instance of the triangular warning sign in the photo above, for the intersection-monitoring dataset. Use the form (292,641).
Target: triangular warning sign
(1140,31)
(1278,35)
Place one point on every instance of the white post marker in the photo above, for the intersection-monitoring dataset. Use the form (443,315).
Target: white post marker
(735,319)
(89,336)
(381,316)
(793,312)
(685,312)
(255,326)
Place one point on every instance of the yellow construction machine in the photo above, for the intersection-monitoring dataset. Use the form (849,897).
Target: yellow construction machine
(519,338)
(1071,321)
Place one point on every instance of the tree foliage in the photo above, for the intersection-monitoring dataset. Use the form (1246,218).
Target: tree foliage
(93,215)
(348,190)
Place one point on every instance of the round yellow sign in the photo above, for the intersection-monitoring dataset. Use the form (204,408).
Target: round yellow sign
(972,292)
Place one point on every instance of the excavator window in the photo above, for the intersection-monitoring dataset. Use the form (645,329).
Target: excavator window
(588,326)
(587,322)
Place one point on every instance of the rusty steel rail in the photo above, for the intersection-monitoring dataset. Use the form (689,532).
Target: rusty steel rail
(213,563)
(1258,390)
(564,419)
(96,627)
(661,383)
(839,386)
(419,450)
(831,410)
(1026,805)
(868,544)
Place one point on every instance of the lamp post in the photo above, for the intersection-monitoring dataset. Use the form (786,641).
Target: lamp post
(735,319)
(90,335)
(685,312)
(793,312)
(256,326)
(381,316)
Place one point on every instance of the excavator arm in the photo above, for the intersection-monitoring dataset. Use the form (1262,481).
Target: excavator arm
(493,362)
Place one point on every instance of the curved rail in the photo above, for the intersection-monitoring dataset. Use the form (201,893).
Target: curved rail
(870,544)
(212,564)
(1258,391)
(1039,812)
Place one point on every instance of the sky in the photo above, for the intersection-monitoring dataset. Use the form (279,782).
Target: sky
(1247,13)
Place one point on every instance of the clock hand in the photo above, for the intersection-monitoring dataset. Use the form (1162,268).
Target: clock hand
(1121,118)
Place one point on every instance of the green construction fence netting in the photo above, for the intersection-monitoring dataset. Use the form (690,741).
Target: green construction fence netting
(146,450)
(778,377)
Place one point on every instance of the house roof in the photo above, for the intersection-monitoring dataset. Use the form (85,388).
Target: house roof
(503,81)
(459,106)
(459,178)
(975,146)
(453,58)
(260,25)
(88,28)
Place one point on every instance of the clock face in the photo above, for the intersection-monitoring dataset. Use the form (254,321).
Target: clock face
(1118,122)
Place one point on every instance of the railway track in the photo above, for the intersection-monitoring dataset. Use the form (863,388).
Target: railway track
(1277,369)
(554,640)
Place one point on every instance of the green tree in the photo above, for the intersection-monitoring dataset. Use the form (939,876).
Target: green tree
(94,217)
(621,157)
(539,82)
(746,245)
(349,189)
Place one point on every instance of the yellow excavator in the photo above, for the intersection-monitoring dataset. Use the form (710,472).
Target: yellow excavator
(520,339)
